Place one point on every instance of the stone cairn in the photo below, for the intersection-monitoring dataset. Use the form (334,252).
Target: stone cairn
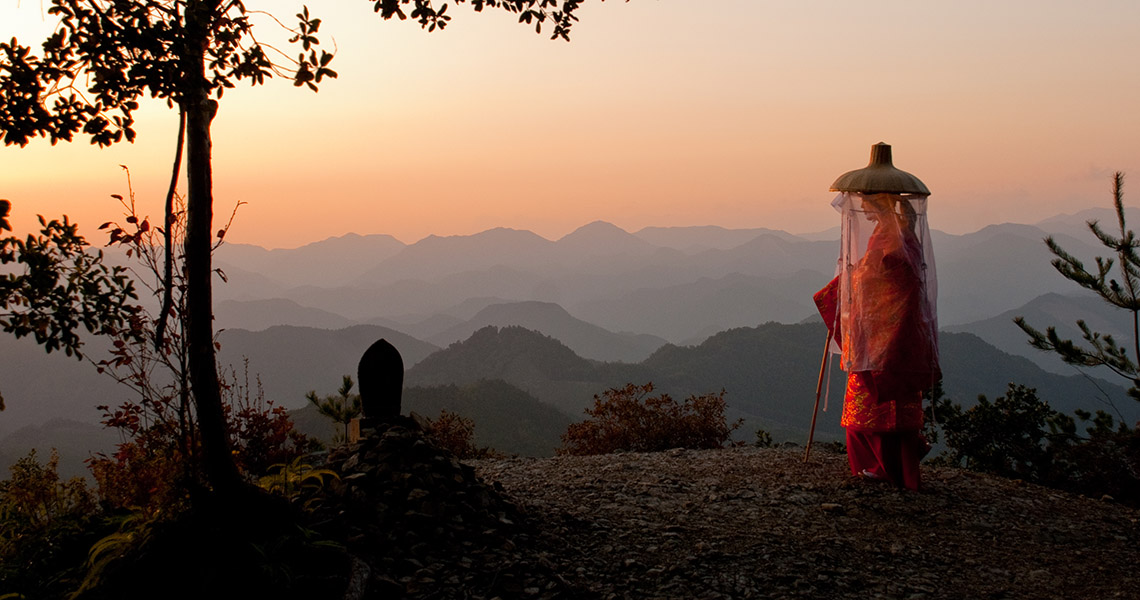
(417,521)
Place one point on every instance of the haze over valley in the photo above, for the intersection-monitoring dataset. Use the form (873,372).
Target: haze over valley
(693,309)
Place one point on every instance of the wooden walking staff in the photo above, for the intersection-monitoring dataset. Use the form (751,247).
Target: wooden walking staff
(879,177)
(818,392)
(827,303)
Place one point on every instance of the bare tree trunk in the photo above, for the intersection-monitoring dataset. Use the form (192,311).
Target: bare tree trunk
(221,472)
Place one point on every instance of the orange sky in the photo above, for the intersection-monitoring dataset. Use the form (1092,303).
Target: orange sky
(739,114)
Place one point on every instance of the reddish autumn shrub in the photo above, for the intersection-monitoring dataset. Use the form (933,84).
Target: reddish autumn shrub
(630,419)
(158,462)
(160,458)
(456,434)
(262,432)
(148,469)
(139,474)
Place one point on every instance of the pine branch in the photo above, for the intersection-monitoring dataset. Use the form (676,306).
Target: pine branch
(1105,238)
(1118,197)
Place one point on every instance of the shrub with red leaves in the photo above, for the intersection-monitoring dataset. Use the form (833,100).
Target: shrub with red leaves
(630,419)
(152,468)
(456,434)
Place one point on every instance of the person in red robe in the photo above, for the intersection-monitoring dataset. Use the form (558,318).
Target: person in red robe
(887,333)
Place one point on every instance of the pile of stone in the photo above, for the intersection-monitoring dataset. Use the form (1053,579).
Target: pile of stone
(419,523)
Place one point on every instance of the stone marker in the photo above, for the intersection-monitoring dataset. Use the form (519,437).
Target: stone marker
(381,379)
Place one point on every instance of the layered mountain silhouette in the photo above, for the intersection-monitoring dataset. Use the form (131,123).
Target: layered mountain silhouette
(678,283)
(74,442)
(522,387)
(768,373)
(1052,310)
(529,360)
(998,268)
(255,315)
(585,339)
(696,239)
(1076,224)
(290,361)
(38,387)
(605,241)
(436,256)
(602,301)
(309,265)
(688,313)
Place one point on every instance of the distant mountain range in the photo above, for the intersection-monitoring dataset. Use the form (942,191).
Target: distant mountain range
(583,338)
(290,361)
(693,309)
(1052,310)
(309,265)
(529,360)
(74,440)
(768,371)
(996,269)
(680,284)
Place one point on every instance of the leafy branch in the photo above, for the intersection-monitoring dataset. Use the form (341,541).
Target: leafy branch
(58,286)
(92,49)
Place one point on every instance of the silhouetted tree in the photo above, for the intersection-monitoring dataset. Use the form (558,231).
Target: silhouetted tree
(186,53)
(1009,436)
(1121,290)
(1018,435)
(106,54)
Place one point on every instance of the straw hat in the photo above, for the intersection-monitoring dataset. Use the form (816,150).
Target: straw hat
(880,177)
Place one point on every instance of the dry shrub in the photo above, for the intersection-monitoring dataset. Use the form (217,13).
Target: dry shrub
(35,495)
(456,434)
(47,526)
(630,419)
(157,463)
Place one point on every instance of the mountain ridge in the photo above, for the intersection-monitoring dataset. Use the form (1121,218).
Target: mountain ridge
(594,269)
(587,340)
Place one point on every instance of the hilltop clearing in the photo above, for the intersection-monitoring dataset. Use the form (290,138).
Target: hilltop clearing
(759,523)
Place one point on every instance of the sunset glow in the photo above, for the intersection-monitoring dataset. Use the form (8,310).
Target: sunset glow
(739,114)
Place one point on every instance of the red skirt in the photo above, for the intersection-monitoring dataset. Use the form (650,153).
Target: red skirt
(877,401)
(883,417)
(892,457)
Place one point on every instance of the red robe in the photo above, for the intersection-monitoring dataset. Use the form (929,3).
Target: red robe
(890,329)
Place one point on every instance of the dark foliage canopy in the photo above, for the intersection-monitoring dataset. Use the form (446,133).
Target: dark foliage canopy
(105,55)
(55,287)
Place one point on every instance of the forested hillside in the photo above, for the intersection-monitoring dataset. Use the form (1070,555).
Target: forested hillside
(769,373)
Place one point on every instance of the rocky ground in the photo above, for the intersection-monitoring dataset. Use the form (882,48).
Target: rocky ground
(740,522)
(760,523)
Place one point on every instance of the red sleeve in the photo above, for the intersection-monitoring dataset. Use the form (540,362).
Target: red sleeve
(827,303)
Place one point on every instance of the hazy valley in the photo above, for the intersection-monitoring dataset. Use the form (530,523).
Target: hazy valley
(693,309)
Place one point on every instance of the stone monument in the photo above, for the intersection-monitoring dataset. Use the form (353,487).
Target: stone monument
(380,376)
